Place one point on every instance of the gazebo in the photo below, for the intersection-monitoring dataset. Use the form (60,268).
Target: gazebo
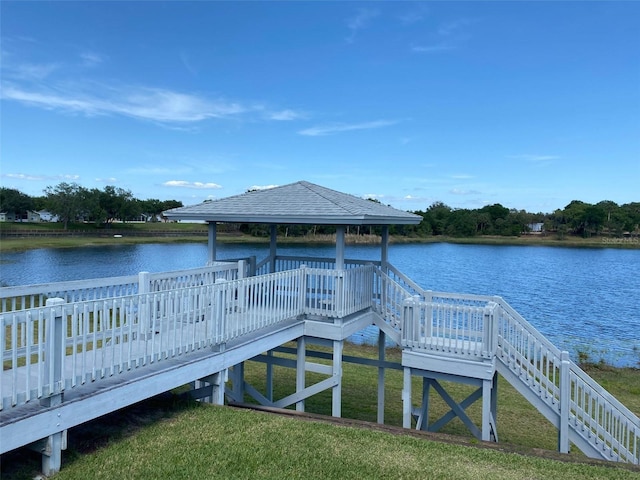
(300,203)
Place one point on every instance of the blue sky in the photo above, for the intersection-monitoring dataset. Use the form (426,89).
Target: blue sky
(527,104)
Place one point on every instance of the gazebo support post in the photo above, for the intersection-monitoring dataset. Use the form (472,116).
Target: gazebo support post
(384,249)
(212,241)
(340,247)
(273,246)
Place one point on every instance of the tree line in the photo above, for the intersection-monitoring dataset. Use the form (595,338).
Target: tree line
(577,218)
(71,202)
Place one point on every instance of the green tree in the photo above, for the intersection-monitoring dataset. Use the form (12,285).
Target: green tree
(15,202)
(437,218)
(67,201)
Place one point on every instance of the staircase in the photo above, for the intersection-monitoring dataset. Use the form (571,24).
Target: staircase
(583,412)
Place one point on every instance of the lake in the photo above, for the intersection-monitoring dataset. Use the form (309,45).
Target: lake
(581,299)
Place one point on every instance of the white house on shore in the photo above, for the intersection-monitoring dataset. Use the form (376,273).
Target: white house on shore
(30,217)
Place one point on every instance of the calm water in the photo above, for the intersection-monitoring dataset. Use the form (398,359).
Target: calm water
(581,299)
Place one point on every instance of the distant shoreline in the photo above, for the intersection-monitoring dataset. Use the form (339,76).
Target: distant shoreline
(16,244)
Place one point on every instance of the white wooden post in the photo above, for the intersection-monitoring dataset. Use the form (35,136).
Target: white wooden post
(381,371)
(269,381)
(487,387)
(217,381)
(54,365)
(300,371)
(384,249)
(302,296)
(406,398)
(407,322)
(220,317)
(339,295)
(273,246)
(252,266)
(340,247)
(489,333)
(144,310)
(237,379)
(336,391)
(212,241)
(565,397)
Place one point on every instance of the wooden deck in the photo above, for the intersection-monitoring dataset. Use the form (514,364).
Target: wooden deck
(88,353)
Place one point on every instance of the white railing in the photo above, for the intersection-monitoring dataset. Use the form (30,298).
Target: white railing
(48,349)
(450,329)
(30,296)
(291,262)
(338,293)
(602,419)
(389,297)
(581,404)
(483,326)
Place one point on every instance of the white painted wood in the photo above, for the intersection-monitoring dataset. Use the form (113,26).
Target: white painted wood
(212,241)
(382,343)
(407,406)
(340,230)
(336,393)
(461,367)
(565,398)
(172,317)
(300,371)
(273,247)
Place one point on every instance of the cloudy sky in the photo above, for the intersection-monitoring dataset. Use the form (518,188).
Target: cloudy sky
(527,104)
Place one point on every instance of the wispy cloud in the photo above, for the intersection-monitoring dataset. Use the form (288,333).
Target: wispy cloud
(184,58)
(143,103)
(534,158)
(460,191)
(57,87)
(448,36)
(109,180)
(31,177)
(360,21)
(416,15)
(261,187)
(434,48)
(461,176)
(32,71)
(455,27)
(91,59)
(345,127)
(186,184)
(286,115)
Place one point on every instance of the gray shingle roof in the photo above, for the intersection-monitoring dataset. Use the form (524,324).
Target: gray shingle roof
(296,203)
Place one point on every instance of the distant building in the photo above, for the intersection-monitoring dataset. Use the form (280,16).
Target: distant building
(46,216)
(31,217)
(536,227)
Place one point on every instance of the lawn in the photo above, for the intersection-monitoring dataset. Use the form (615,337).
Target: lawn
(168,437)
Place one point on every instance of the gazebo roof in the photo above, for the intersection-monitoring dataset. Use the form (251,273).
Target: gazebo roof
(295,203)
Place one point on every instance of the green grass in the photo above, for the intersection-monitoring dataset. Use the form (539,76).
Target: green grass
(215,442)
(170,438)
(134,233)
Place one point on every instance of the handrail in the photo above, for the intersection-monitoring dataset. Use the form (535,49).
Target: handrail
(29,296)
(184,311)
(450,329)
(610,428)
(105,337)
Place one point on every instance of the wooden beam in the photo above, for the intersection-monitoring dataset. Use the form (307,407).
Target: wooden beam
(212,241)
